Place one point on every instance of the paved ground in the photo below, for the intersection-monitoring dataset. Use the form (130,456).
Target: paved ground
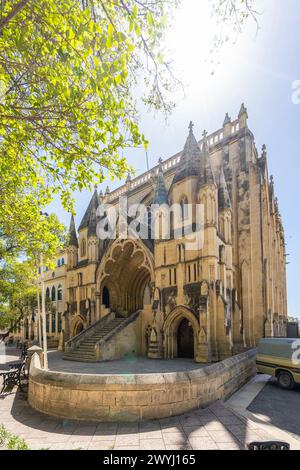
(130,365)
(216,427)
(280,407)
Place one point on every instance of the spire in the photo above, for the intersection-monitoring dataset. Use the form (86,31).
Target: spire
(243,110)
(72,235)
(223,196)
(206,174)
(94,202)
(227,120)
(160,193)
(189,160)
(92,229)
(264,151)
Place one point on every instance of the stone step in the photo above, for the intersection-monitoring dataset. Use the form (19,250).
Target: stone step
(85,352)
(80,355)
(81,359)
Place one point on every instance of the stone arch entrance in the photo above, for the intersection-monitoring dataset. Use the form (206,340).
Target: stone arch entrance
(125,273)
(181,330)
(105,297)
(77,326)
(185,339)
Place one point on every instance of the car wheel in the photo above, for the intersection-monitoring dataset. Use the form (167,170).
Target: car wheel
(285,380)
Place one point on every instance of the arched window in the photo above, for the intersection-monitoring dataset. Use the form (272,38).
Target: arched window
(53,294)
(63,261)
(83,248)
(58,263)
(149,216)
(59,292)
(47,293)
(184,210)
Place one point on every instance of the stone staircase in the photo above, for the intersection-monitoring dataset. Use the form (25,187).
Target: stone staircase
(84,351)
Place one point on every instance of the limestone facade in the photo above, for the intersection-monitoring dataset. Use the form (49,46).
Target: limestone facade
(208,302)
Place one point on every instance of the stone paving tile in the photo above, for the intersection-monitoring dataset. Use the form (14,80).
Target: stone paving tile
(174,438)
(127,448)
(111,438)
(106,429)
(222,437)
(101,445)
(189,420)
(77,445)
(152,444)
(230,420)
(127,440)
(195,431)
(84,431)
(145,426)
(249,437)
(151,435)
(214,425)
(202,443)
(126,428)
(173,421)
(179,447)
(229,446)
(80,437)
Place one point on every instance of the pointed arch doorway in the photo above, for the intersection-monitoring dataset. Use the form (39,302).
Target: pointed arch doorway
(105,297)
(185,339)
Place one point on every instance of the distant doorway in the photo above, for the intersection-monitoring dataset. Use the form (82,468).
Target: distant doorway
(79,328)
(185,340)
(105,297)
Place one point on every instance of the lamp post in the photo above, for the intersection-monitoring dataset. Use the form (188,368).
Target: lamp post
(39,310)
(44,307)
(44,314)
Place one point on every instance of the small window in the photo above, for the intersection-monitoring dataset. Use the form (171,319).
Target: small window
(53,294)
(47,293)
(170,277)
(83,248)
(59,323)
(47,323)
(175,276)
(58,263)
(53,323)
(184,210)
(62,261)
(59,292)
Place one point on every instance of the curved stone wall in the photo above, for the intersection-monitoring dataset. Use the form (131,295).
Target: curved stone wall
(135,397)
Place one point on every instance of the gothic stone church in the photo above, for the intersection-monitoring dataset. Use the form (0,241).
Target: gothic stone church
(155,298)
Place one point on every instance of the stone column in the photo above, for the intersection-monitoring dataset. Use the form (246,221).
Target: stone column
(98,305)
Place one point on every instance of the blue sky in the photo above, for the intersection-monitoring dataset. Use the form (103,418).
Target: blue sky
(258,70)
